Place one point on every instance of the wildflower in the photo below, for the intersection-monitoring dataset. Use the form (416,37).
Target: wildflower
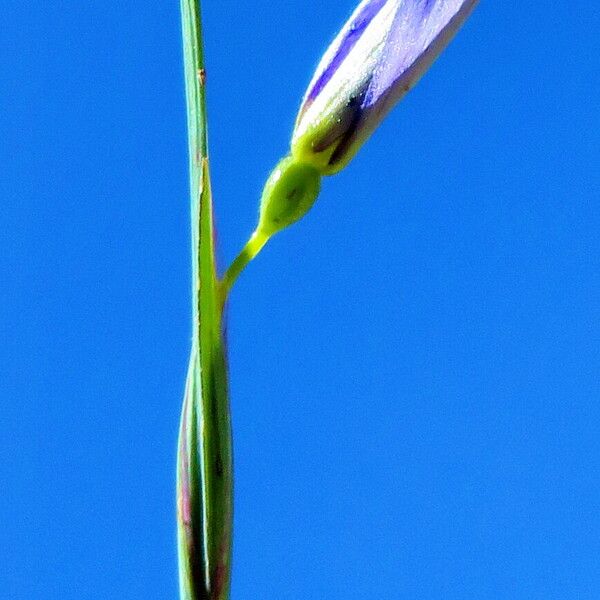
(380,54)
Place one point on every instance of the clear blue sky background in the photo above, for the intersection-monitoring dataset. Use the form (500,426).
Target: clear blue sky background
(415,367)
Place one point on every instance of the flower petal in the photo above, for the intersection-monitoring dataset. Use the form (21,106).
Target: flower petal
(421,30)
(380,54)
(342,46)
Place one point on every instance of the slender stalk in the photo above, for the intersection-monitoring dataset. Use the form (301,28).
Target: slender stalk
(204,466)
(253,246)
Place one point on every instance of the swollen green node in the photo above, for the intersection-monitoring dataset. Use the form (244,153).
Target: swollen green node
(289,193)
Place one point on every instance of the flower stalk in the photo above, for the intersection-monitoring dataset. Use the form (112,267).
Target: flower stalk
(379,55)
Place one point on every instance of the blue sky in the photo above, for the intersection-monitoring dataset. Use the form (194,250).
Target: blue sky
(415,367)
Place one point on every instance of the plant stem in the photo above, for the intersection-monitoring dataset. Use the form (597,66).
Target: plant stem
(204,464)
(253,246)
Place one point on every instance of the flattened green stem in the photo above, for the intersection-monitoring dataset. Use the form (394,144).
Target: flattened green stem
(204,463)
(205,470)
(254,245)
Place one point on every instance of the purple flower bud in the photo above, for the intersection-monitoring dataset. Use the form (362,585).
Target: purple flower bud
(380,54)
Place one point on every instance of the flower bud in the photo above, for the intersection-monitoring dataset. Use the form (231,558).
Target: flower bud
(289,193)
(380,54)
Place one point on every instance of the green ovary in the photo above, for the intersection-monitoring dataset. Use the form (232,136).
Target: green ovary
(289,193)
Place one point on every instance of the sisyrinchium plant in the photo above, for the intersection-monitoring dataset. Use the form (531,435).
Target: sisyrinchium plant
(378,56)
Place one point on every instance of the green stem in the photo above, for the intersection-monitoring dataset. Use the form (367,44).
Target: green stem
(254,245)
(204,463)
(205,470)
